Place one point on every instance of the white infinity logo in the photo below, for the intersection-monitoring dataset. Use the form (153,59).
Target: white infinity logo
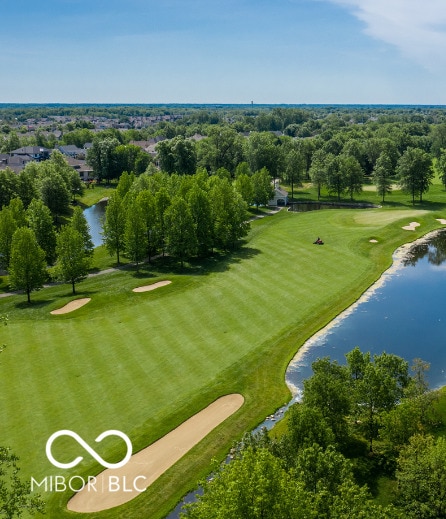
(66,432)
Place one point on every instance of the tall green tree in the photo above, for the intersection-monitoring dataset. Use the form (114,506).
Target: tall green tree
(382,175)
(40,222)
(146,201)
(8,186)
(441,166)
(27,266)
(294,169)
(221,149)
(177,155)
(262,150)
(243,185)
(8,226)
(352,172)
(229,214)
(180,230)
(54,192)
(262,187)
(162,202)
(421,478)
(114,226)
(135,233)
(318,169)
(201,212)
(415,172)
(101,156)
(72,260)
(328,390)
(253,486)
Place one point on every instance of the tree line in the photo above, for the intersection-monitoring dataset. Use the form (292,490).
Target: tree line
(183,216)
(369,419)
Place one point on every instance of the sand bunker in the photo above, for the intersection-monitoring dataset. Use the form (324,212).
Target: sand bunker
(412,226)
(147,288)
(442,221)
(373,241)
(71,306)
(150,463)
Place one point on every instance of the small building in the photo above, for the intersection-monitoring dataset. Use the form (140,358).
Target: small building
(37,153)
(70,150)
(280,197)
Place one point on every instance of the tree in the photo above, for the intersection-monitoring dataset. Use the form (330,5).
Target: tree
(441,166)
(221,149)
(328,390)
(27,267)
(262,150)
(382,173)
(76,185)
(80,224)
(262,187)
(177,155)
(253,486)
(318,169)
(40,222)
(146,201)
(72,260)
(352,173)
(243,185)
(102,158)
(135,233)
(8,227)
(294,167)
(229,214)
(8,186)
(415,172)
(306,426)
(15,494)
(336,180)
(380,389)
(54,191)
(162,202)
(201,212)
(421,477)
(114,225)
(180,231)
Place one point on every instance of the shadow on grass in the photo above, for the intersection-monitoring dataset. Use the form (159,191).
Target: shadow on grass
(34,304)
(216,262)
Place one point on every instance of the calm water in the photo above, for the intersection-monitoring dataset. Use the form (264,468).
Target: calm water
(94,216)
(405,316)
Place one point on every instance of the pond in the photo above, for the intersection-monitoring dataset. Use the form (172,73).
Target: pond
(402,314)
(94,216)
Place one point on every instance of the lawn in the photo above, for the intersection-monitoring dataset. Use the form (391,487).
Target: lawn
(143,363)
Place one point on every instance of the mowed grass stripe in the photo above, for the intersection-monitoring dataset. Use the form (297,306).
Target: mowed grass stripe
(141,362)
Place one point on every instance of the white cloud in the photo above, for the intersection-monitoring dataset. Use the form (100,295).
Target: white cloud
(416,27)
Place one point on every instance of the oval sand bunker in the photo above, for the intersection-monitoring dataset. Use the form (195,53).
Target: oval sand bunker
(71,306)
(147,288)
(150,463)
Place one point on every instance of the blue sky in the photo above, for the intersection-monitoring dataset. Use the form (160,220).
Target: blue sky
(223,51)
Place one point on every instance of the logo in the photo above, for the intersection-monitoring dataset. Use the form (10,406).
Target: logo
(92,452)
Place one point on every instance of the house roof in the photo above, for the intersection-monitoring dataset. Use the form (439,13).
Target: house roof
(30,150)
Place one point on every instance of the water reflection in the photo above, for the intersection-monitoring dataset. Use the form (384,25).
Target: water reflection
(434,251)
(94,216)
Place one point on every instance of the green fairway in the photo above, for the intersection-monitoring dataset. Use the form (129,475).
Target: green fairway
(143,363)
